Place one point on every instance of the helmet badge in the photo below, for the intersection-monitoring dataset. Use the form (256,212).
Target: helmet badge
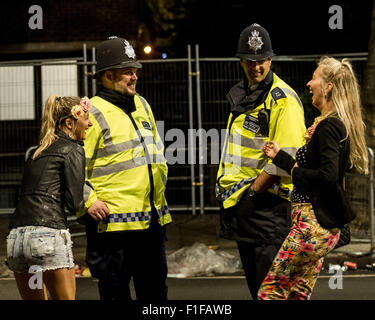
(129,51)
(255,42)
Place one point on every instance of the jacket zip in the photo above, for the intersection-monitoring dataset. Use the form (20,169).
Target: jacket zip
(149,163)
(225,148)
(227,141)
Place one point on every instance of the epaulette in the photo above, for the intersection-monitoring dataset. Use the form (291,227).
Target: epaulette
(277,94)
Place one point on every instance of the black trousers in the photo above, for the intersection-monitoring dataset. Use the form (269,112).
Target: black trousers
(116,257)
(263,222)
(256,261)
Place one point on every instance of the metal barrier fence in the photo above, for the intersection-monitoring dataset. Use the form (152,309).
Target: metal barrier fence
(185,93)
(360,191)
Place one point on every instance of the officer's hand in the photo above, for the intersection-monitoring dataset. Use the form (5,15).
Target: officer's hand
(271,149)
(98,210)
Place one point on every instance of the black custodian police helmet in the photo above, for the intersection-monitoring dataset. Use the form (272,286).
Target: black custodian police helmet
(115,53)
(254,44)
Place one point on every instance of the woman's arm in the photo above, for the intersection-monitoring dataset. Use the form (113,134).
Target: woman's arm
(280,158)
(74,173)
(284,161)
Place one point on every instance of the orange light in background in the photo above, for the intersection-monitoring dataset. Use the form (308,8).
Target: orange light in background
(147,49)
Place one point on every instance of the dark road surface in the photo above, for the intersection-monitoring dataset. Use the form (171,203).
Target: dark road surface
(355,285)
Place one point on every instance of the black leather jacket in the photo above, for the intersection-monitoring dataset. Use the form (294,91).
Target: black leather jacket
(52,181)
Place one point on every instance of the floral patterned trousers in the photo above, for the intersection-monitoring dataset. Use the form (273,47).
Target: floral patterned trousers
(296,267)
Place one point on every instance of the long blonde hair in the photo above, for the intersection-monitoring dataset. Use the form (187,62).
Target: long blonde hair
(346,101)
(55,111)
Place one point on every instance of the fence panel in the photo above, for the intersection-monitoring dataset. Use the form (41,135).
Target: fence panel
(164,84)
(357,192)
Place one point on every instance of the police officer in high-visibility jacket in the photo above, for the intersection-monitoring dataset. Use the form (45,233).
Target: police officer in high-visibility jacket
(125,207)
(253,193)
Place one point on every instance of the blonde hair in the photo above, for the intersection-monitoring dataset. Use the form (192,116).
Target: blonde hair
(56,110)
(346,102)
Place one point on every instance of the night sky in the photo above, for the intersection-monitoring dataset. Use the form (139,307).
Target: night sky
(294,28)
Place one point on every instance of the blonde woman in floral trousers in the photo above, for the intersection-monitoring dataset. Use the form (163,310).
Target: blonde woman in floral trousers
(335,139)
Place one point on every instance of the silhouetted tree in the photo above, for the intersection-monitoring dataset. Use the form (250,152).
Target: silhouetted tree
(160,19)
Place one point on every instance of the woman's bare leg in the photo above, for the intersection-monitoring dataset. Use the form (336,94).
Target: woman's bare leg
(27,293)
(61,283)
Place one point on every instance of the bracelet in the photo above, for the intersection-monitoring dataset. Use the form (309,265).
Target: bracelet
(291,172)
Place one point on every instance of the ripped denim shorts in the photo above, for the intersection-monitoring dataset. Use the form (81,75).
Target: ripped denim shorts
(48,248)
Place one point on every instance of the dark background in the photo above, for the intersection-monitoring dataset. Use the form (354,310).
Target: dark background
(295,27)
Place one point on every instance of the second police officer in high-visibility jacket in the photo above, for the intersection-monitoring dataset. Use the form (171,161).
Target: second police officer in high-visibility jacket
(253,193)
(125,206)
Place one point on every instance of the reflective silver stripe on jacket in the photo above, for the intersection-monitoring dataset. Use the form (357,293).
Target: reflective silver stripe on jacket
(271,169)
(123,146)
(109,147)
(292,151)
(122,166)
(254,143)
(116,167)
(87,187)
(106,131)
(144,103)
(116,148)
(245,162)
(99,117)
(160,145)
(290,92)
(276,171)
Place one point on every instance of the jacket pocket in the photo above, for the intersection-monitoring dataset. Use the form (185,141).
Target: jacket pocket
(42,244)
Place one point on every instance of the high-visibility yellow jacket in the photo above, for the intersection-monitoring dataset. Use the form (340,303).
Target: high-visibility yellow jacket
(125,166)
(243,159)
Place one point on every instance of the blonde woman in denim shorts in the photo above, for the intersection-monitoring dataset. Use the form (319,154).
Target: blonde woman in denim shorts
(39,245)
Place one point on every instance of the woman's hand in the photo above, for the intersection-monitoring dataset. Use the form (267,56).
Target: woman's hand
(271,149)
(310,130)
